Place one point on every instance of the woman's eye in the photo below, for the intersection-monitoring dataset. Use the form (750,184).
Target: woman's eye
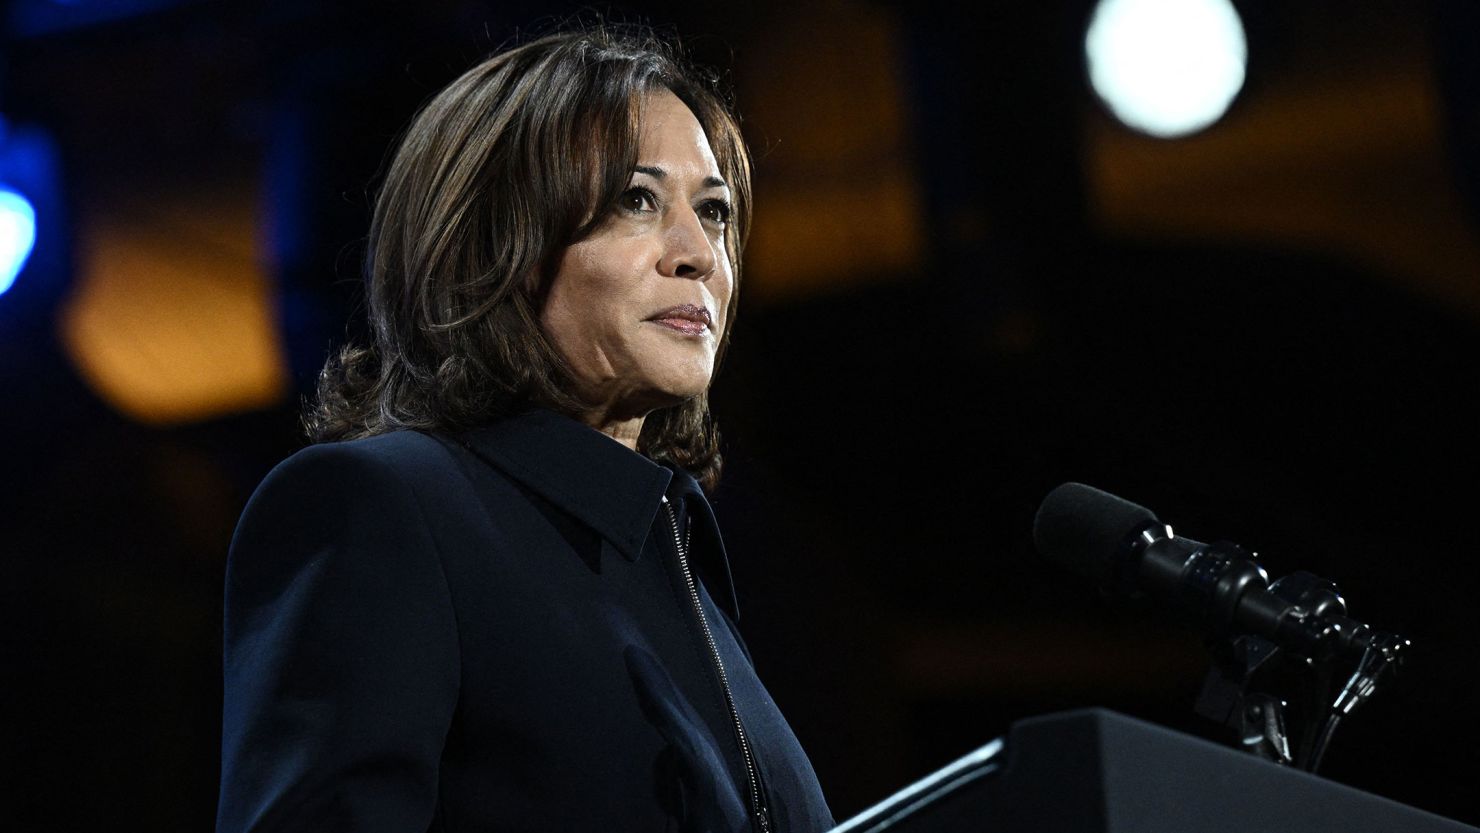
(715,211)
(637,200)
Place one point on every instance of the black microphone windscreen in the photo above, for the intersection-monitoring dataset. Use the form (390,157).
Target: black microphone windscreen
(1083,528)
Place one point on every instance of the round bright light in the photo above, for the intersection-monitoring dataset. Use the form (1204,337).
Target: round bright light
(17,235)
(1166,67)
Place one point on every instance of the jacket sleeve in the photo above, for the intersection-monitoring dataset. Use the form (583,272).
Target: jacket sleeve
(341,652)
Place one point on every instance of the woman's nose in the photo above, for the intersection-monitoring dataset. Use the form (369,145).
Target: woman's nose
(688,252)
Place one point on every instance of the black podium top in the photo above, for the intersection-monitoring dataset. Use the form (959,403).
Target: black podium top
(1095,770)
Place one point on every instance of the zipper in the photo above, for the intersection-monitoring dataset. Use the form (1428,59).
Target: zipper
(761,816)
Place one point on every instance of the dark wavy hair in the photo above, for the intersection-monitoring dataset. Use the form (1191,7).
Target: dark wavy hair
(522,156)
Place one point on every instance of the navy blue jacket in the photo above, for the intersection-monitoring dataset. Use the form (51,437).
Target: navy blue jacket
(490,633)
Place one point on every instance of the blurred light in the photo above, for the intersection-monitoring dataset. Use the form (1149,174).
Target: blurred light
(173,316)
(33,226)
(1166,67)
(17,235)
(841,108)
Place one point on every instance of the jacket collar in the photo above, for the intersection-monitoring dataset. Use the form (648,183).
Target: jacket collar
(708,547)
(604,485)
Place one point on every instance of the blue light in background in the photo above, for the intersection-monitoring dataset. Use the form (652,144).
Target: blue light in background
(33,228)
(17,235)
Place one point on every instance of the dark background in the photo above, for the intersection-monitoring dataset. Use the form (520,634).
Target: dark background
(967,284)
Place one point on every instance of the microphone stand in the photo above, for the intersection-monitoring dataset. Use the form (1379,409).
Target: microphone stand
(1253,680)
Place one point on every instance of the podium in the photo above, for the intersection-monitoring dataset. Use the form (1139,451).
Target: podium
(1095,770)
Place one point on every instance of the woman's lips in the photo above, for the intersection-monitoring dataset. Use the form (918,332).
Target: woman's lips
(683,325)
(688,319)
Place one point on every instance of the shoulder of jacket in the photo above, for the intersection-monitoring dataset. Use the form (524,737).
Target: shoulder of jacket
(384,475)
(411,458)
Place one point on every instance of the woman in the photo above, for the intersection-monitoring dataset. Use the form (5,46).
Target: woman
(498,600)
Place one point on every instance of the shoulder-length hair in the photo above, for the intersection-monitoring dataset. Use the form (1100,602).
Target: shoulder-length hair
(520,157)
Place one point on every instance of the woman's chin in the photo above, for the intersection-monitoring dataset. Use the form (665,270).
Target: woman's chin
(682,380)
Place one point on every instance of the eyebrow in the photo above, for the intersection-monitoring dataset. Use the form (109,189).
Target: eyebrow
(659,173)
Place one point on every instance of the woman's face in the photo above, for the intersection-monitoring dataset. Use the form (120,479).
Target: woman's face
(638,307)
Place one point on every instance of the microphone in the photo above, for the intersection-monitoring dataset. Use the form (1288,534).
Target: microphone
(1126,548)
